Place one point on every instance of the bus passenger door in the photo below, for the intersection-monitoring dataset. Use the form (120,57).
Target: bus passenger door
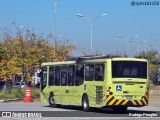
(43,84)
(79,79)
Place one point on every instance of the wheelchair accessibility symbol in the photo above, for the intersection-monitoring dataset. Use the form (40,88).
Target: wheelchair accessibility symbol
(118,88)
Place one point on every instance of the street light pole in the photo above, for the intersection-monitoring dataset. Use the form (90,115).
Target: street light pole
(55,7)
(128,46)
(91,27)
(139,45)
(91,45)
(128,41)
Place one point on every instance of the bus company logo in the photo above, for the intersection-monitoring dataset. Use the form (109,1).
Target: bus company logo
(6,114)
(118,88)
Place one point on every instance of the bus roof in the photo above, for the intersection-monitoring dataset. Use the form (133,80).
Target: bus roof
(58,63)
(99,59)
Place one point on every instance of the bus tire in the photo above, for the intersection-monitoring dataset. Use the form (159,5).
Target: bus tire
(51,101)
(119,109)
(85,104)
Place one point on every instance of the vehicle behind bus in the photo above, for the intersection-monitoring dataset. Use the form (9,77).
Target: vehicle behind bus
(118,83)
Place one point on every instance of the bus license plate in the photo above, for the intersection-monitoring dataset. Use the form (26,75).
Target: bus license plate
(129,97)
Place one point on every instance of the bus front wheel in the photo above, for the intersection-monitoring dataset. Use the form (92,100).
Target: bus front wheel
(51,100)
(85,104)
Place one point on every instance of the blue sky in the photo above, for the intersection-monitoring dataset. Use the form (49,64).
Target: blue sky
(121,19)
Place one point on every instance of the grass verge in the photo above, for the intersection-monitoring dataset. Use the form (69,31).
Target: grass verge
(17,93)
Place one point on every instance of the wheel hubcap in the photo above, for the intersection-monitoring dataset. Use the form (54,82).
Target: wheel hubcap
(85,104)
(52,100)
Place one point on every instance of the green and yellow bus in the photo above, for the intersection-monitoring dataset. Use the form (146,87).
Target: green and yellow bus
(95,82)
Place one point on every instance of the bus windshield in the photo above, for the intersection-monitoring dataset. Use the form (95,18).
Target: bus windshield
(129,69)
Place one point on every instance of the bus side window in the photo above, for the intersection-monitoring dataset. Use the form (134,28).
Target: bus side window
(51,76)
(99,72)
(64,75)
(71,75)
(57,75)
(89,72)
(79,75)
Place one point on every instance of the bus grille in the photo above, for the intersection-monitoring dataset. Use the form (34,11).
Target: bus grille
(99,94)
(111,101)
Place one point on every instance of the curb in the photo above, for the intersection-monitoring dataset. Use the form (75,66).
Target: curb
(8,100)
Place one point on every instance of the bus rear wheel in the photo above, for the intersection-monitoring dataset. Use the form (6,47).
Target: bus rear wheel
(85,104)
(51,100)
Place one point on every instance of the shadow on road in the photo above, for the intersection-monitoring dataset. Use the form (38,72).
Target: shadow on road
(102,112)
(74,111)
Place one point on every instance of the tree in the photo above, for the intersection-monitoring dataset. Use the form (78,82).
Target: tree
(26,51)
(2,52)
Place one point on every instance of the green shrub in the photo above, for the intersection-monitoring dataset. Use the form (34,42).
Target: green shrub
(35,92)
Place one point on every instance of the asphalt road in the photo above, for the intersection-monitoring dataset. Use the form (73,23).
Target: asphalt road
(37,109)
